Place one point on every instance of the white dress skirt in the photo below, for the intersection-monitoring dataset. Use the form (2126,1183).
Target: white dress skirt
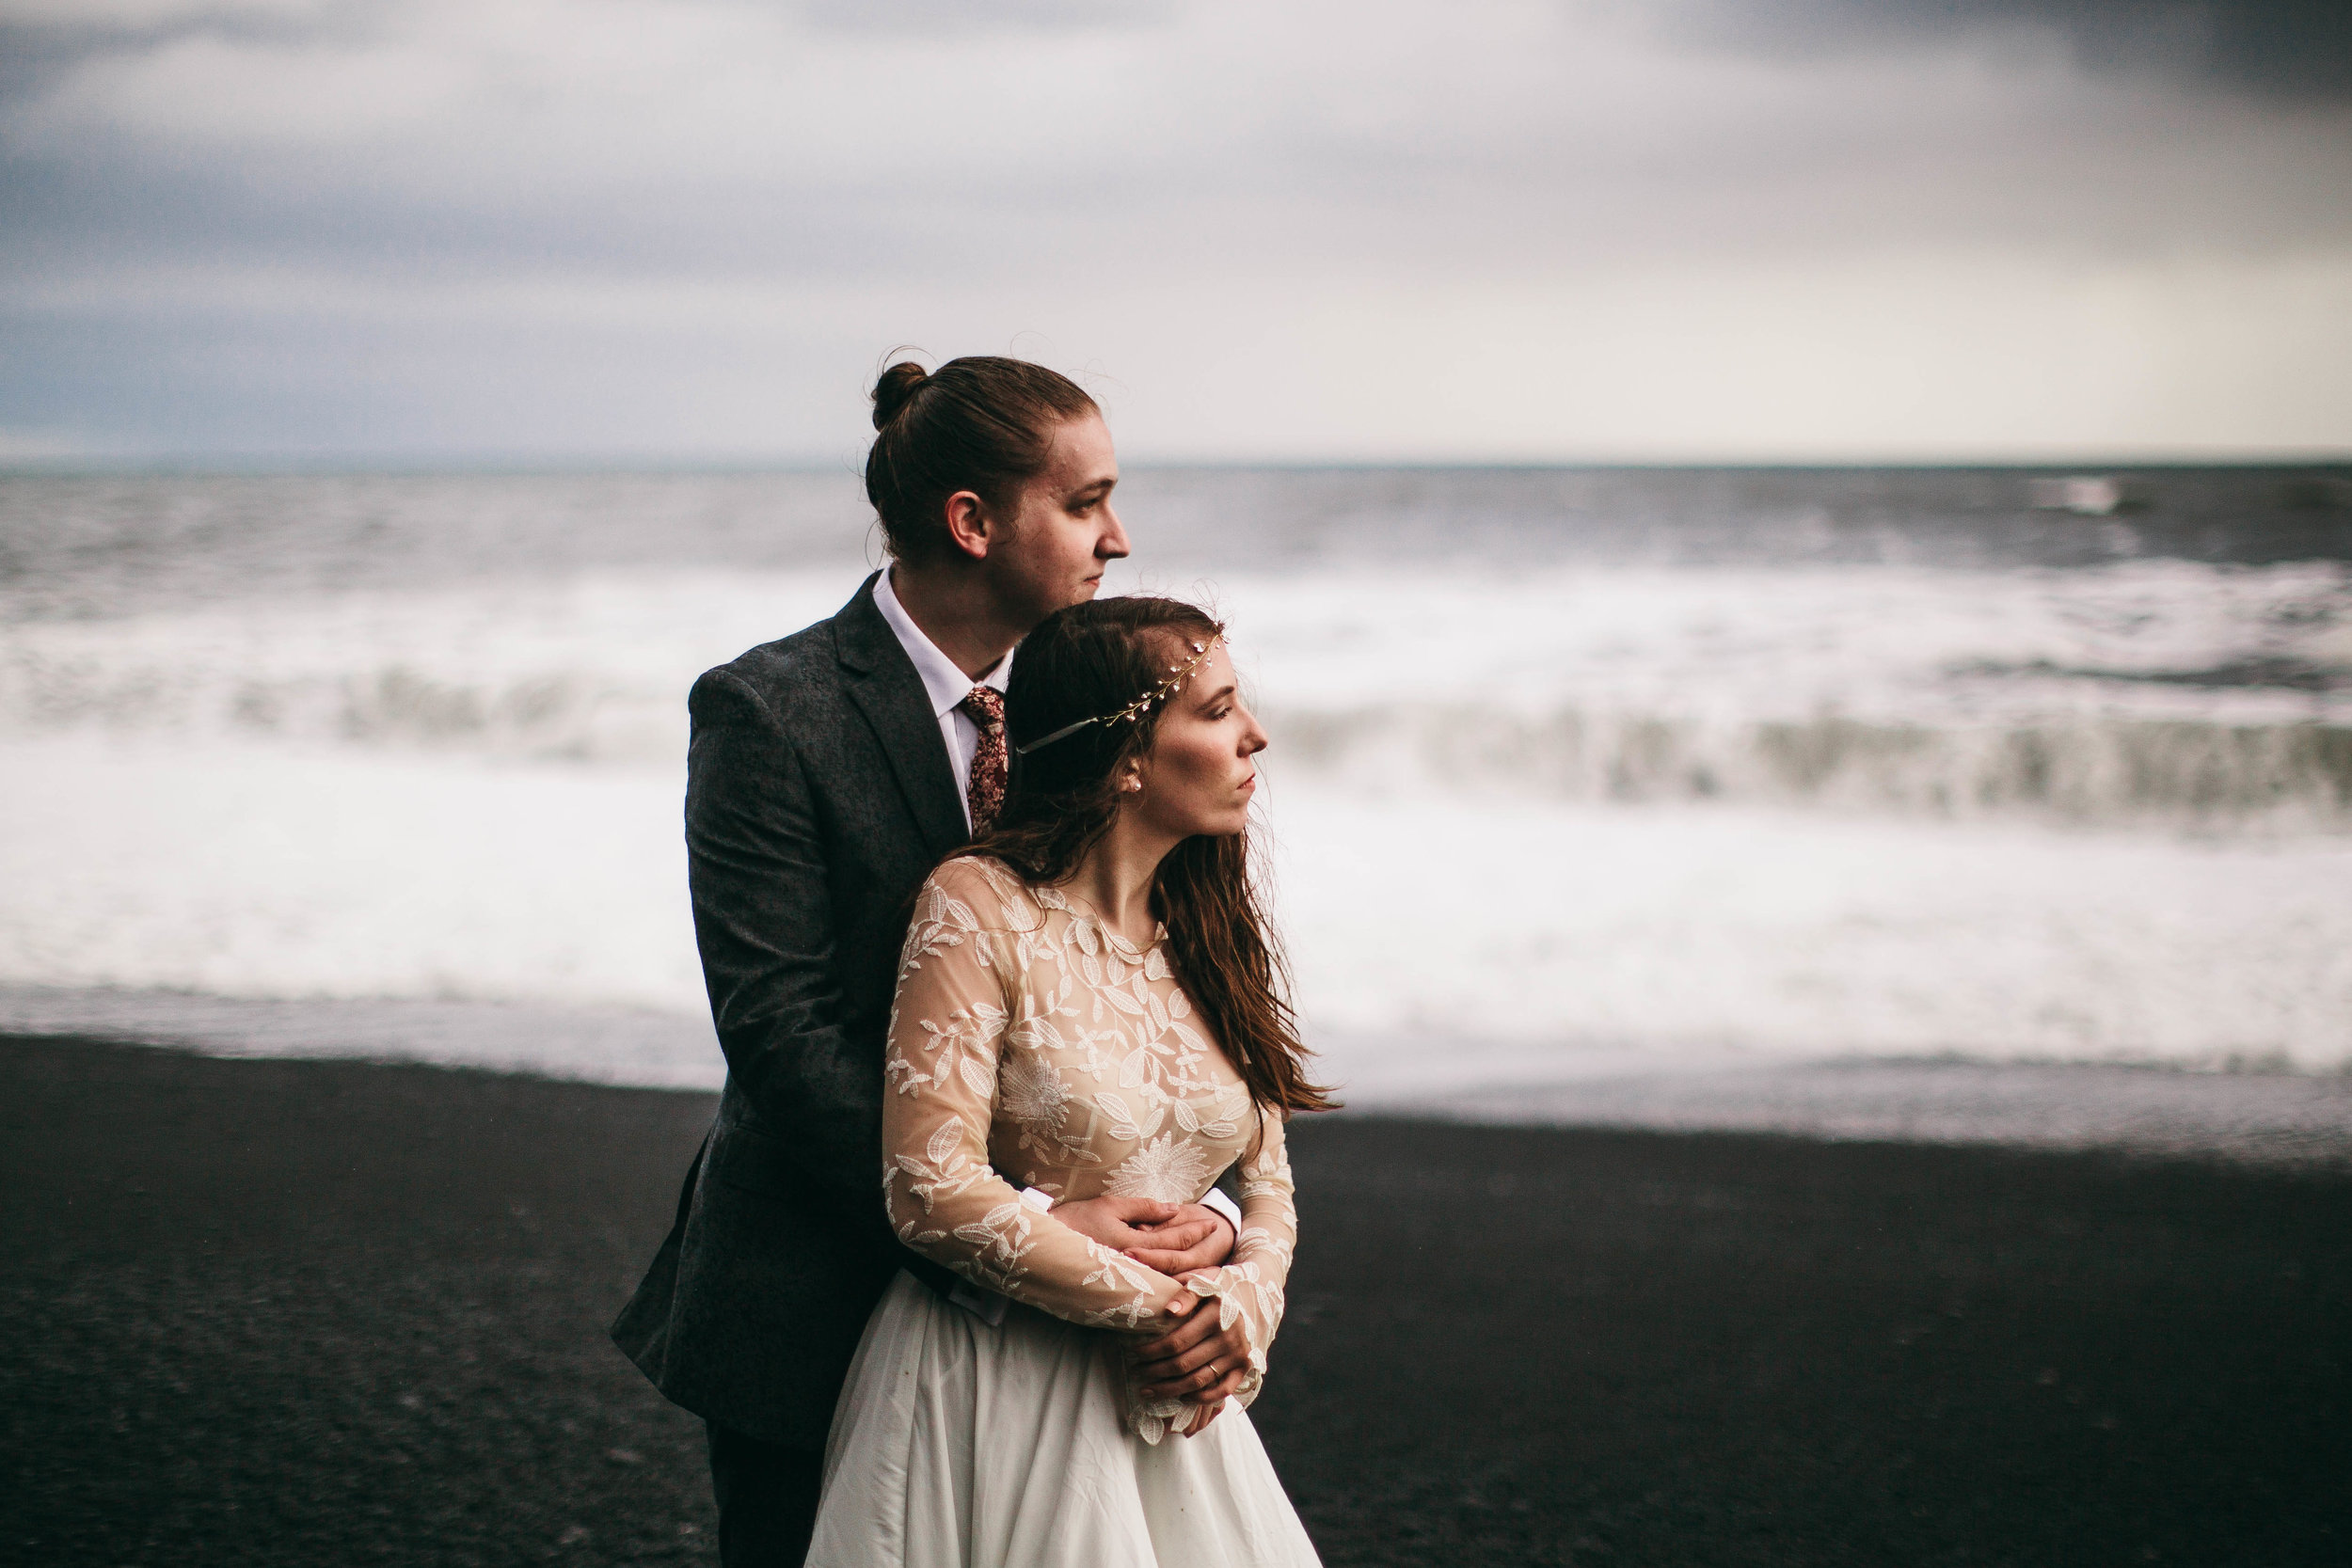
(961,1445)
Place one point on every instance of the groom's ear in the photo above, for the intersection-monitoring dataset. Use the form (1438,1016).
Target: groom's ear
(970,531)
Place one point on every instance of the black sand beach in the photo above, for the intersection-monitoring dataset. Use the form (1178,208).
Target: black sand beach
(314,1312)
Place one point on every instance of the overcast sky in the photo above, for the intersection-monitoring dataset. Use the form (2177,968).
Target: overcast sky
(1286,229)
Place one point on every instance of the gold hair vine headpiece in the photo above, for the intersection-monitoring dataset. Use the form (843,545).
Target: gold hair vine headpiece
(1176,673)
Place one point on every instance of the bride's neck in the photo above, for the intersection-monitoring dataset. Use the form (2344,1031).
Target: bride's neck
(1116,877)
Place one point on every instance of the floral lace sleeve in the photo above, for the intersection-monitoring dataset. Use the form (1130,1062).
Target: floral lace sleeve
(1248,1288)
(959,1000)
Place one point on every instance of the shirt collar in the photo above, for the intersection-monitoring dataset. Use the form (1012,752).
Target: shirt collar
(945,684)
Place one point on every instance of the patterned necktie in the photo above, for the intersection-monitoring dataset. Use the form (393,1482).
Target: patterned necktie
(985,795)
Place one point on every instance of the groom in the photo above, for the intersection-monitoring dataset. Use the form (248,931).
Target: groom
(827,774)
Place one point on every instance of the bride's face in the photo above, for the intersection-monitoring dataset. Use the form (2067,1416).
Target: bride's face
(1201,771)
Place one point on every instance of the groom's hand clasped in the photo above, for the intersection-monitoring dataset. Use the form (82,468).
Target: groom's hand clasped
(1172,1238)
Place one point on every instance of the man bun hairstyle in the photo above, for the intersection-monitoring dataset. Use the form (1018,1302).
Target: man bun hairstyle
(981,424)
(897,383)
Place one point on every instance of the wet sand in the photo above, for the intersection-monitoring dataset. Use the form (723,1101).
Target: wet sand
(326,1312)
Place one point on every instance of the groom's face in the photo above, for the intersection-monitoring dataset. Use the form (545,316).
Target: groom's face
(1065,531)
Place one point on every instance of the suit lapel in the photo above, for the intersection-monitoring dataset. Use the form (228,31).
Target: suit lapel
(882,681)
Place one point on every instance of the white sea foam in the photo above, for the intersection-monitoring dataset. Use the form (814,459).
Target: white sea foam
(1538,927)
(1536,932)
(246,873)
(1529,820)
(589,670)
(2158,691)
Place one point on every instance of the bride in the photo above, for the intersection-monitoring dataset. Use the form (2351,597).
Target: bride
(1088,1005)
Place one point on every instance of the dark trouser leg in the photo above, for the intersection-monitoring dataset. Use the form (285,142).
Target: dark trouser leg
(766,1498)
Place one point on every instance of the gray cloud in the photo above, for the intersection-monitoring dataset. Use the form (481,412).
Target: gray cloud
(224,217)
(2291,48)
(963,19)
(1281,159)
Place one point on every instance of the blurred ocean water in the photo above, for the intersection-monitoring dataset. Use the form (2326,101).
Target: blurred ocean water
(1664,767)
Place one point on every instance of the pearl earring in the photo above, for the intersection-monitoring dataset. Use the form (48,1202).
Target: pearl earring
(1132,785)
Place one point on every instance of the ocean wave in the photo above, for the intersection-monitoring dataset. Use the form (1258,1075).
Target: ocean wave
(2158,694)
(590,670)
(2084,768)
(2091,767)
(551,716)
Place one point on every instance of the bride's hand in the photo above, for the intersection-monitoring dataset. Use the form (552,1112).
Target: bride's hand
(1131,1225)
(1195,1237)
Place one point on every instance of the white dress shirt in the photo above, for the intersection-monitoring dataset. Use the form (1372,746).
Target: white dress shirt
(946,686)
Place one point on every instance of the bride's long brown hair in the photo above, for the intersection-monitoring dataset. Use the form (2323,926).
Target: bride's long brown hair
(1096,658)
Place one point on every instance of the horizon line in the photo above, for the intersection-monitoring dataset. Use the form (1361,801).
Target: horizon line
(325,465)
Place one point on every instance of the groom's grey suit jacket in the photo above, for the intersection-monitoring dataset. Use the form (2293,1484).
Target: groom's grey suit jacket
(819,795)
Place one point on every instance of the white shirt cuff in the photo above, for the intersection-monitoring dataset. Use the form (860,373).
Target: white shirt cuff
(1225,1206)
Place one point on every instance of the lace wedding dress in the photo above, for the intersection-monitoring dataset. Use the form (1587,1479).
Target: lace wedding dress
(1031,1047)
